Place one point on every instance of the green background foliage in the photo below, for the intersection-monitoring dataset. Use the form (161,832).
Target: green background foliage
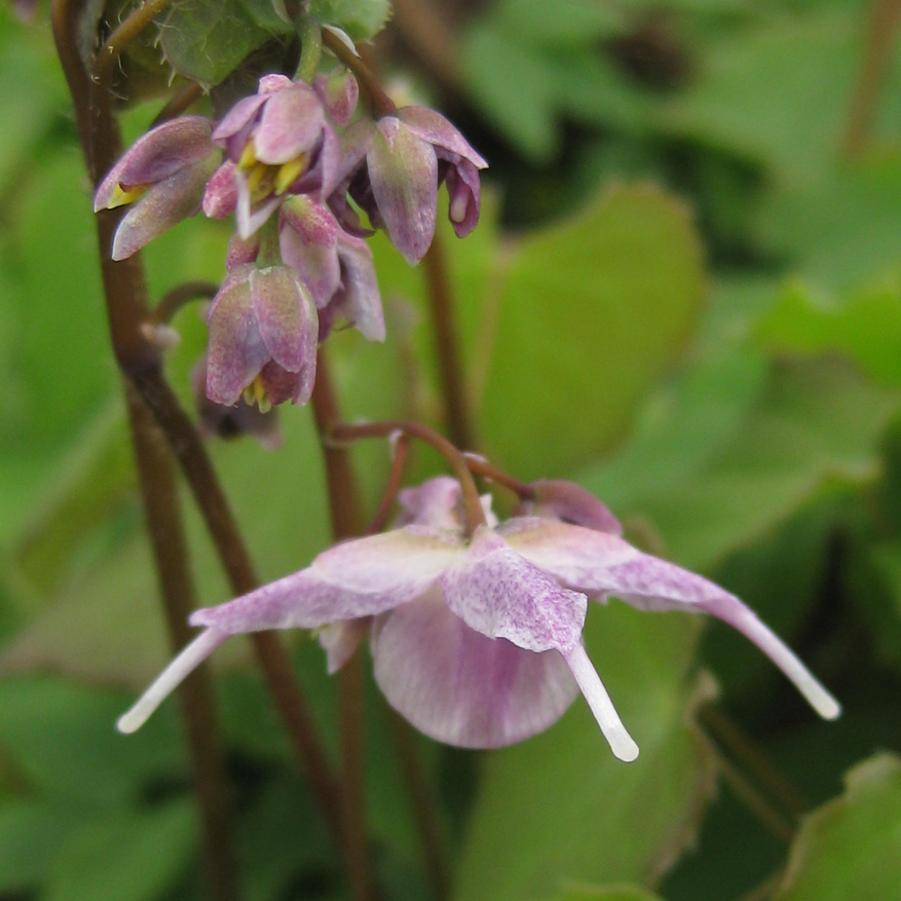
(683,294)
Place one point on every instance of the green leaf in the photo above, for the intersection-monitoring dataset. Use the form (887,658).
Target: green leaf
(559,808)
(570,23)
(129,856)
(205,40)
(849,847)
(863,325)
(606,893)
(593,310)
(361,19)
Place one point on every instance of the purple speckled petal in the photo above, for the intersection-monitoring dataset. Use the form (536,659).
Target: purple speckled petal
(403,172)
(236,351)
(434,128)
(363,577)
(286,316)
(621,743)
(571,503)
(241,251)
(460,687)
(464,193)
(238,118)
(500,594)
(575,556)
(283,385)
(434,503)
(308,238)
(290,124)
(341,640)
(163,205)
(362,302)
(158,155)
(339,93)
(220,197)
(273,83)
(649,583)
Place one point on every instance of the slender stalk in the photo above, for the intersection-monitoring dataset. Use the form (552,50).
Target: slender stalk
(167,539)
(395,480)
(346,518)
(475,515)
(178,103)
(379,101)
(310,48)
(481,467)
(447,349)
(127,311)
(422,802)
(180,295)
(881,27)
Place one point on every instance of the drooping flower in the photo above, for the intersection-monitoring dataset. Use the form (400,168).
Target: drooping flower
(408,156)
(162,178)
(277,141)
(263,338)
(476,641)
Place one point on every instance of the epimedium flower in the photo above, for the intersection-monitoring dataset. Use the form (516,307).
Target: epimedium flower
(409,154)
(263,338)
(277,141)
(161,177)
(476,640)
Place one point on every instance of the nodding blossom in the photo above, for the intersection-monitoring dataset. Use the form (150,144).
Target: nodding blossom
(477,640)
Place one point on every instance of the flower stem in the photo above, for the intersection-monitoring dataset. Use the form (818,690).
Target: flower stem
(139,360)
(166,533)
(178,103)
(395,480)
(310,32)
(883,22)
(179,296)
(346,519)
(481,467)
(475,515)
(447,349)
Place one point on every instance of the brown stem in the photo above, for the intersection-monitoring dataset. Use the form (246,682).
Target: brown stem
(183,98)
(180,295)
(481,467)
(344,506)
(379,101)
(127,310)
(475,515)
(447,348)
(167,538)
(422,802)
(395,480)
(883,21)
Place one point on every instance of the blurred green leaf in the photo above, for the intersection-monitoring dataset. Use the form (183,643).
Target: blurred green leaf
(849,847)
(127,855)
(864,325)
(592,311)
(583,815)
(361,19)
(206,39)
(606,893)
(567,23)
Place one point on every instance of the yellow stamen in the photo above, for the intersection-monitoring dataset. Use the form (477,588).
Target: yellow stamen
(255,395)
(289,172)
(248,157)
(122,196)
(260,182)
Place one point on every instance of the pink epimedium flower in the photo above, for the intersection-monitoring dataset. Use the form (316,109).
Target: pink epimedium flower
(277,141)
(263,338)
(161,177)
(476,641)
(409,155)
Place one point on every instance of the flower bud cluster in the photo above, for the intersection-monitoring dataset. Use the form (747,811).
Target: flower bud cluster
(293,164)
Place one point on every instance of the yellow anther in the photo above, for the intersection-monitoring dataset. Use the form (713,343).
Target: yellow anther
(248,157)
(260,182)
(122,196)
(289,172)
(255,395)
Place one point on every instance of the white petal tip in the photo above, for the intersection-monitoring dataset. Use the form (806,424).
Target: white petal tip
(130,722)
(828,708)
(623,747)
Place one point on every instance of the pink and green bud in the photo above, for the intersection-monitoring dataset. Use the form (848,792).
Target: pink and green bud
(161,179)
(263,339)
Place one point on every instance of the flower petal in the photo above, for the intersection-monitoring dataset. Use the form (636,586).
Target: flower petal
(177,671)
(436,503)
(236,350)
(464,192)
(572,504)
(289,126)
(431,126)
(358,578)
(341,640)
(220,197)
(362,302)
(251,218)
(308,238)
(500,594)
(460,687)
(238,117)
(621,743)
(403,171)
(339,93)
(286,316)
